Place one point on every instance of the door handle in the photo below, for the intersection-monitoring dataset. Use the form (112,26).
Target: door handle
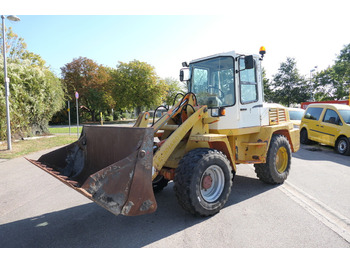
(243,109)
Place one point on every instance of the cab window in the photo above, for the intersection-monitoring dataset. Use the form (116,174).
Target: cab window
(248,83)
(345,115)
(313,113)
(331,117)
(212,81)
(200,78)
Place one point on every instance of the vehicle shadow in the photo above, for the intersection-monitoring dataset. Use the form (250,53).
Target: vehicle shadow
(318,152)
(89,225)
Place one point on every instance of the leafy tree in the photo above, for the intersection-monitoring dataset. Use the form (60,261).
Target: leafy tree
(16,49)
(268,92)
(35,92)
(173,88)
(136,85)
(289,86)
(334,82)
(15,46)
(325,85)
(92,82)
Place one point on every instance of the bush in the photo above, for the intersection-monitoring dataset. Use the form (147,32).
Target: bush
(108,118)
(36,94)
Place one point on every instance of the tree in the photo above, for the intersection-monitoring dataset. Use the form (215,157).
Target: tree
(268,92)
(325,85)
(288,86)
(16,49)
(92,82)
(173,88)
(136,85)
(35,92)
(15,46)
(334,82)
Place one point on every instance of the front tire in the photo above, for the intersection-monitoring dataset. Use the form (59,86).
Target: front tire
(203,181)
(278,161)
(342,146)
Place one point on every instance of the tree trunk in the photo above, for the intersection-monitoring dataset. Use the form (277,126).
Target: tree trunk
(93,117)
(138,110)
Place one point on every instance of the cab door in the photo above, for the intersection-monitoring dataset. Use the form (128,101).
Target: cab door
(250,98)
(330,127)
(311,119)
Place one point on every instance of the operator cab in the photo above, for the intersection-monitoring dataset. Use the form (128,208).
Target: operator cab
(227,81)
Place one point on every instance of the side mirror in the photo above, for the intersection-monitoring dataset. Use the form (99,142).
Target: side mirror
(249,62)
(184,74)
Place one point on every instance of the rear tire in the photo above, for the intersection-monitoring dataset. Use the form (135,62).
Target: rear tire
(304,137)
(203,181)
(342,146)
(278,161)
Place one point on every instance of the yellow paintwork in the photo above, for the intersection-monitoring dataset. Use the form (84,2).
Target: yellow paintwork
(281,159)
(174,139)
(246,145)
(277,115)
(325,132)
(217,141)
(142,120)
(241,145)
(252,143)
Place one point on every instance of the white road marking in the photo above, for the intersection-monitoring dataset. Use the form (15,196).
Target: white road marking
(329,217)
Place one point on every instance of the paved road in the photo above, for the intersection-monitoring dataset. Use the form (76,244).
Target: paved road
(312,209)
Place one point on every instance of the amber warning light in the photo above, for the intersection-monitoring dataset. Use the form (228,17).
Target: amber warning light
(262,51)
(222,111)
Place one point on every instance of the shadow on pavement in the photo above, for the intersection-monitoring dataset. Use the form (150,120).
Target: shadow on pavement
(89,225)
(317,152)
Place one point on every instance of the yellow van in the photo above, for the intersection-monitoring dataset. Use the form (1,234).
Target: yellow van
(327,124)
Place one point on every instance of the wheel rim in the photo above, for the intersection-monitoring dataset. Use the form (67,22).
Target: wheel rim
(342,146)
(281,159)
(212,183)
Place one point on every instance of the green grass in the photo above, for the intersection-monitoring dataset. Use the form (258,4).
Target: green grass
(24,147)
(64,130)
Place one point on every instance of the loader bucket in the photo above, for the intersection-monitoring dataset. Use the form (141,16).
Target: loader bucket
(110,165)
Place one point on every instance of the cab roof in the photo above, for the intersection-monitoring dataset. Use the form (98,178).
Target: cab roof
(333,106)
(230,53)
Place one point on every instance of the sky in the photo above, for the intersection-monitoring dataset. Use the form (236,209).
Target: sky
(166,33)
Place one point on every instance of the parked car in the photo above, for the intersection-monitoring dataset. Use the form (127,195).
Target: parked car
(295,115)
(327,124)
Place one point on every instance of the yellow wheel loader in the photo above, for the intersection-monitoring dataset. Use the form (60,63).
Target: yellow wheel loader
(221,122)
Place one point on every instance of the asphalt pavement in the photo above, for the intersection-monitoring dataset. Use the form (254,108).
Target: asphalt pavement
(37,210)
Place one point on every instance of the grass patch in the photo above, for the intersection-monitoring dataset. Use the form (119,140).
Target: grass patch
(24,147)
(64,130)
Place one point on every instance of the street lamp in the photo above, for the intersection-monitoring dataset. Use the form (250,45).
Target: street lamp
(7,91)
(311,71)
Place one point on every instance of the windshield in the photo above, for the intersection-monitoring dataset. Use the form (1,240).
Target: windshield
(296,115)
(345,115)
(212,81)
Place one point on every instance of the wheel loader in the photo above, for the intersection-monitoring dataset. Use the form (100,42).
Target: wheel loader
(220,123)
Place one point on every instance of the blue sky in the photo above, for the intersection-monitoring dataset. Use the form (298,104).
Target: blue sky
(162,35)
(107,39)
